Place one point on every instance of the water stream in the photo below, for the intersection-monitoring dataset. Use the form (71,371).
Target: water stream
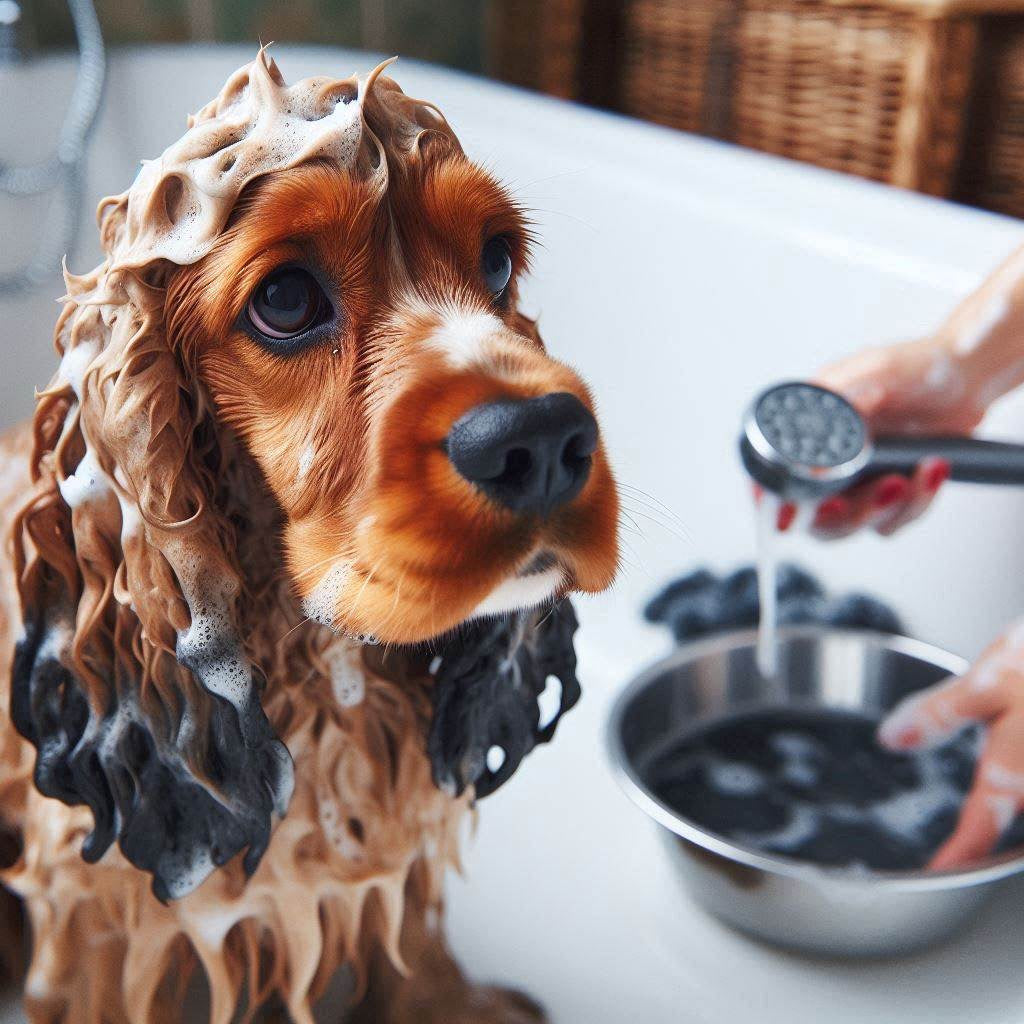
(767,573)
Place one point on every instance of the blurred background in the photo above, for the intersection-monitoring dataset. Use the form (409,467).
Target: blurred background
(923,94)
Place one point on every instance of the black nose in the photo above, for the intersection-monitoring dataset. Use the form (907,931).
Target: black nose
(530,455)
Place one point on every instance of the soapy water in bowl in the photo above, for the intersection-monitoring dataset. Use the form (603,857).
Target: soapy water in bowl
(815,785)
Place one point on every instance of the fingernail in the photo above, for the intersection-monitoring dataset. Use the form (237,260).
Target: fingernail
(833,508)
(897,737)
(890,491)
(758,494)
(900,729)
(786,516)
(936,475)
(906,739)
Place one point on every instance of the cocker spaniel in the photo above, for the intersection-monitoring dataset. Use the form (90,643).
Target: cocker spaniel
(292,530)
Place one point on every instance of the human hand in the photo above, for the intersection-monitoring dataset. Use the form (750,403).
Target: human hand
(913,388)
(991,692)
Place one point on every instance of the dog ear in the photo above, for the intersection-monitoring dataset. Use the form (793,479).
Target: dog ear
(131,678)
(487,693)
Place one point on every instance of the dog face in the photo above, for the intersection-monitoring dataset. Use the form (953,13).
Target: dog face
(361,336)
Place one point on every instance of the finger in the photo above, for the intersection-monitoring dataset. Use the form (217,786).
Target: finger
(930,717)
(977,830)
(924,484)
(864,504)
(860,379)
(833,518)
(787,513)
(995,798)
(889,498)
(787,510)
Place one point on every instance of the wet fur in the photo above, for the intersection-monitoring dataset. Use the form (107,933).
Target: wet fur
(167,688)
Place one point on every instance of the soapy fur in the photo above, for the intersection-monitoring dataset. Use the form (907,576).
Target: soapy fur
(167,690)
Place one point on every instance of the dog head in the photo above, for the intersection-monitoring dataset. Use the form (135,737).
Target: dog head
(355,323)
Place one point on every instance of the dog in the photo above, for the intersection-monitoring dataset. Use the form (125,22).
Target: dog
(291,534)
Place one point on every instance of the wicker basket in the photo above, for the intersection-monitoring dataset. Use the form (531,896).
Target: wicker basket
(675,62)
(992,174)
(876,89)
(875,92)
(536,44)
(925,94)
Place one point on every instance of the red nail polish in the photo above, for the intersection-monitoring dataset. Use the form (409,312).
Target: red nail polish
(786,516)
(937,475)
(833,508)
(910,737)
(890,490)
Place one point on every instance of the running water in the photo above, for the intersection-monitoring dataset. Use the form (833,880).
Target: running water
(767,572)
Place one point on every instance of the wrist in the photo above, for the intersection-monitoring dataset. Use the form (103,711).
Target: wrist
(978,375)
(984,337)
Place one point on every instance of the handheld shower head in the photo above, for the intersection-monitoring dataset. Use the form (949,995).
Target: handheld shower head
(804,442)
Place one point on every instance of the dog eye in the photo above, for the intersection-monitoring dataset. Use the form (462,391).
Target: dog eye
(496,264)
(286,303)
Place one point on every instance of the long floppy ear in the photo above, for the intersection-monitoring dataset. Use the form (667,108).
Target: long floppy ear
(487,692)
(131,678)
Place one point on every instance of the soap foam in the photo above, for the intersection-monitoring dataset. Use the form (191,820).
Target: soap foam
(1005,778)
(975,333)
(74,364)
(348,677)
(210,647)
(180,202)
(733,777)
(321,604)
(337,831)
(87,483)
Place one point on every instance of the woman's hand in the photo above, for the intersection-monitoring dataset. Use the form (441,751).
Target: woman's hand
(942,384)
(992,692)
(916,387)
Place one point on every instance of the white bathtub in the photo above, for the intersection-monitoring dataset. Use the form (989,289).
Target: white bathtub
(680,275)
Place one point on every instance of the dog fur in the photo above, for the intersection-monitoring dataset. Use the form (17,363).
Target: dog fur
(249,703)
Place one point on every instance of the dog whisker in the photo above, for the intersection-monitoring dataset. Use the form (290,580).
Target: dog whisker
(659,522)
(654,502)
(626,517)
(637,562)
(654,510)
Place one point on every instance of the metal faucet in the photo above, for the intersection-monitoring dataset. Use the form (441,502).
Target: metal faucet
(63,170)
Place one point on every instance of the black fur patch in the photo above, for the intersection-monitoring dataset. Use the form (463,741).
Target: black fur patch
(486,694)
(140,789)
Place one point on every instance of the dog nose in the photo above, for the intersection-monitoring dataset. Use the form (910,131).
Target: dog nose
(530,455)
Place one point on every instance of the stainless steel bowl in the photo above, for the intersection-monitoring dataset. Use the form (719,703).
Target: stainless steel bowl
(834,912)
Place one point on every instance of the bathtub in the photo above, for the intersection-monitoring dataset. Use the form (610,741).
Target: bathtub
(679,275)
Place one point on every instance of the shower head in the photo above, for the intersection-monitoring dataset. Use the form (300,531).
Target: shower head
(804,442)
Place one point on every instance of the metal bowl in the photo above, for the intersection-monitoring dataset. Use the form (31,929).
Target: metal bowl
(826,911)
